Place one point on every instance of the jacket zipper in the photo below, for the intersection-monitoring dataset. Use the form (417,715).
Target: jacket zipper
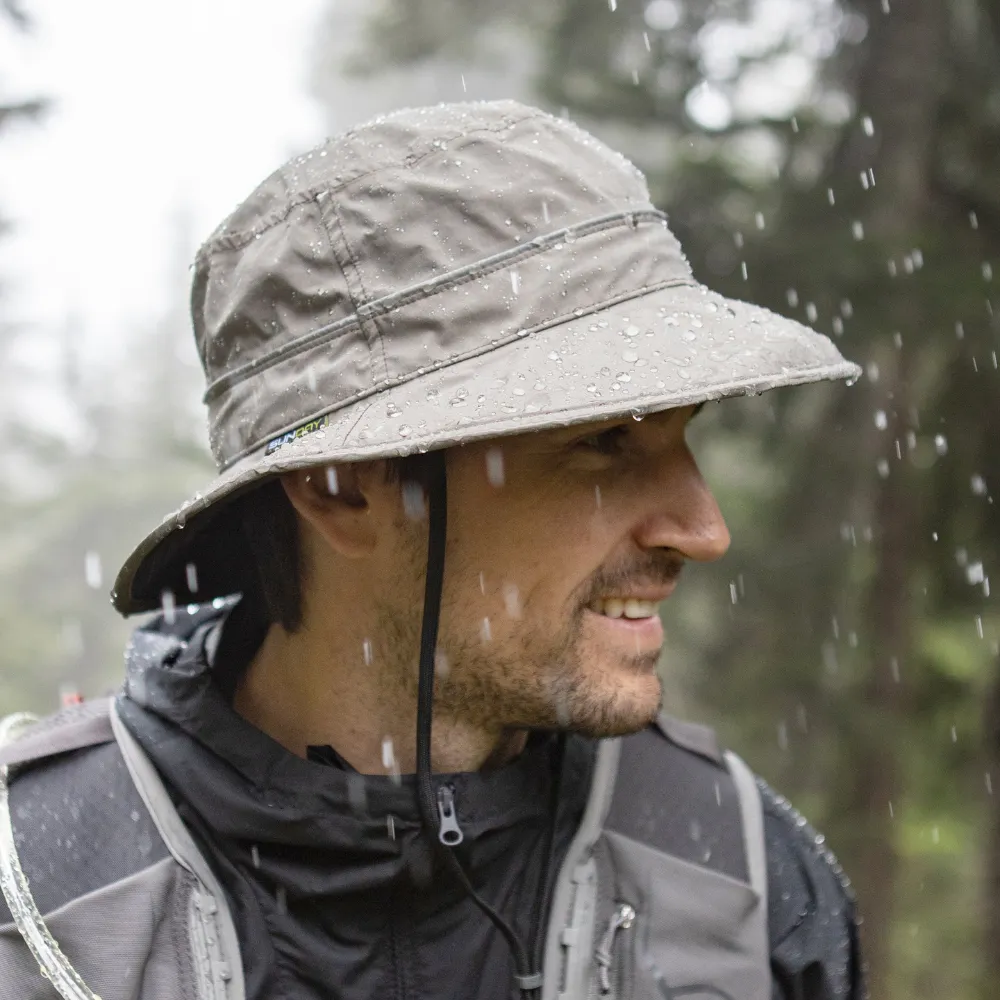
(621,920)
(449,832)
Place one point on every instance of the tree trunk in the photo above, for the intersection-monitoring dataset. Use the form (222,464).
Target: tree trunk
(899,88)
(991,923)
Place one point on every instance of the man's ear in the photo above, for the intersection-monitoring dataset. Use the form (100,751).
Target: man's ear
(333,502)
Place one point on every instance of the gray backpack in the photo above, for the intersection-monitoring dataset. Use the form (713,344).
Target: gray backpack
(662,894)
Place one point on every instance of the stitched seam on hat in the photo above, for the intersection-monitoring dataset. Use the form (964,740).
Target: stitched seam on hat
(446,282)
(242,238)
(364,291)
(468,355)
(349,269)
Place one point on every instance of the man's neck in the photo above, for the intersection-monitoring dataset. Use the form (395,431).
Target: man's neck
(304,689)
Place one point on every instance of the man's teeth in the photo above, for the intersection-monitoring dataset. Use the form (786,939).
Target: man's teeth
(616,607)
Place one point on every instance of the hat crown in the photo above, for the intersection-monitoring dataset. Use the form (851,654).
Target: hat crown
(293,298)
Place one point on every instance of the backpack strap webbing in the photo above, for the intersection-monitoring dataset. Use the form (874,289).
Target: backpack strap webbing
(76,727)
(211,933)
(572,915)
(676,793)
(211,925)
(51,961)
(752,814)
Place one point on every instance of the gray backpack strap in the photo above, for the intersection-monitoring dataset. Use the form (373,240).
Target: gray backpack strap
(678,908)
(80,726)
(568,943)
(212,935)
(752,812)
(210,924)
(51,961)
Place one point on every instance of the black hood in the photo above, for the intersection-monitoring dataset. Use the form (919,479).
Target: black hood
(332,873)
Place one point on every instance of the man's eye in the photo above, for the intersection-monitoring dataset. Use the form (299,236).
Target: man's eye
(607,442)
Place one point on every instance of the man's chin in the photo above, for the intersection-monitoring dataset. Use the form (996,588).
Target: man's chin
(620,709)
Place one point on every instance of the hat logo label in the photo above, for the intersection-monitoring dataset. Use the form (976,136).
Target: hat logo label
(301,431)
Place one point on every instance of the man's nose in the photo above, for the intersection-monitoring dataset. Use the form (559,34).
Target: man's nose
(683,513)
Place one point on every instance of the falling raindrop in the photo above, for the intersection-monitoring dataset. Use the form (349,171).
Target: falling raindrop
(515,282)
(169,606)
(597,497)
(485,630)
(366,651)
(512,600)
(883,468)
(255,856)
(441,665)
(881,420)
(978,485)
(613,5)
(92,570)
(414,503)
(858,229)
(868,125)
(495,467)
(331,480)
(191,577)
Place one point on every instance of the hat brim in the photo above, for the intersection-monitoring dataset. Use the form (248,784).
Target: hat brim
(673,347)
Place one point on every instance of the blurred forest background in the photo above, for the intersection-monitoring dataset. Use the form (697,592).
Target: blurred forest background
(837,160)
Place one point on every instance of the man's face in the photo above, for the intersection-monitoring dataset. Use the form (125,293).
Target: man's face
(561,547)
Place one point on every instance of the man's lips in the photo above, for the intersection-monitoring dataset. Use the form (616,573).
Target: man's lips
(641,634)
(634,602)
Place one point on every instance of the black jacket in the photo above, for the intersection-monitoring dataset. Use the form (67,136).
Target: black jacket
(328,906)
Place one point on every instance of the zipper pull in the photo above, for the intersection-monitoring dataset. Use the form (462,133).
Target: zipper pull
(622,919)
(449,832)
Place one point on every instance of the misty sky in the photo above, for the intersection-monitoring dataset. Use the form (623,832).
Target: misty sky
(158,108)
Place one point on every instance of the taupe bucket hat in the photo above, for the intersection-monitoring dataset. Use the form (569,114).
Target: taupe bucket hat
(441,275)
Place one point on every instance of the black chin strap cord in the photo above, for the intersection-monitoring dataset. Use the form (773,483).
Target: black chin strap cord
(527,980)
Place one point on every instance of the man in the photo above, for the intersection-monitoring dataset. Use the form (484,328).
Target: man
(451,359)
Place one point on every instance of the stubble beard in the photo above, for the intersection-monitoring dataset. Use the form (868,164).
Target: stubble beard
(535,682)
(528,680)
